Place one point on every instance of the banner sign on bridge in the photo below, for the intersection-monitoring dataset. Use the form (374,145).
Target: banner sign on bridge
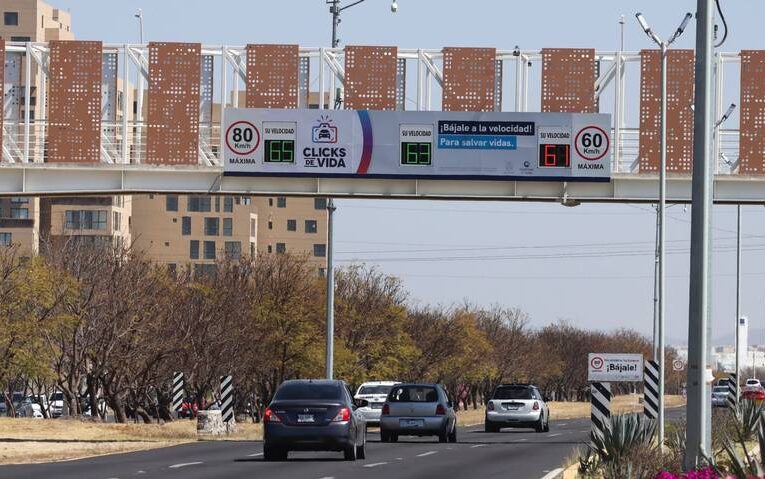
(615,367)
(427,145)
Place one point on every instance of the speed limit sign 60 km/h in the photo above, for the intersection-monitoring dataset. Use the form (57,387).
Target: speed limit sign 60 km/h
(592,143)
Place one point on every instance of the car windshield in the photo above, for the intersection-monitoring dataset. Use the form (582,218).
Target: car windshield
(413,394)
(720,389)
(294,391)
(375,389)
(512,393)
(57,396)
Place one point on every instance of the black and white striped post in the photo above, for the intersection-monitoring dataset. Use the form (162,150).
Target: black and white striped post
(651,389)
(178,392)
(227,398)
(733,391)
(600,396)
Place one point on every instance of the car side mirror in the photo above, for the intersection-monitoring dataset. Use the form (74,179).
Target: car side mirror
(361,402)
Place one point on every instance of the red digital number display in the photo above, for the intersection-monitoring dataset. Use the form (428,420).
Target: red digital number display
(554,156)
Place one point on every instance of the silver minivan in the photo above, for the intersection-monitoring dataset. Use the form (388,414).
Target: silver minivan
(418,410)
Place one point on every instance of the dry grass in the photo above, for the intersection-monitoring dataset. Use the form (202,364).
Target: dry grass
(29,441)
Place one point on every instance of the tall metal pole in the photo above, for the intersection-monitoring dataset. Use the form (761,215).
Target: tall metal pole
(662,233)
(699,418)
(656,354)
(738,296)
(330,291)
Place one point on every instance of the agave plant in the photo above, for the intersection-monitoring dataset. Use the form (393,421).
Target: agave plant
(627,432)
(750,423)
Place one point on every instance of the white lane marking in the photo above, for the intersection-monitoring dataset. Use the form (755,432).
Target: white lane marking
(327,477)
(563,424)
(477,430)
(256,455)
(375,464)
(399,458)
(477,445)
(556,434)
(521,440)
(429,453)
(184,464)
(552,474)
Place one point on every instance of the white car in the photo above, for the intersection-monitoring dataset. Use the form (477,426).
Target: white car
(375,393)
(753,383)
(517,405)
(29,408)
(56,402)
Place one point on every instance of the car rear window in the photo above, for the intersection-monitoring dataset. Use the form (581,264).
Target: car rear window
(720,389)
(513,393)
(308,391)
(413,394)
(375,389)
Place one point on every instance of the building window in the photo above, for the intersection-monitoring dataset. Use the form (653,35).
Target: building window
(199,204)
(6,239)
(186,225)
(270,202)
(270,249)
(86,219)
(310,226)
(228,226)
(291,225)
(20,213)
(320,203)
(233,249)
(211,226)
(246,200)
(209,249)
(117,221)
(194,249)
(171,203)
(217,204)
(20,200)
(228,204)
(281,248)
(281,202)
(21,39)
(270,224)
(320,250)
(11,19)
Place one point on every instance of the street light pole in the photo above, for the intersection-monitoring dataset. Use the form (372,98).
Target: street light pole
(660,283)
(139,99)
(699,418)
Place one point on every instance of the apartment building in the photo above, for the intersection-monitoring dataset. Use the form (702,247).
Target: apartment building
(89,219)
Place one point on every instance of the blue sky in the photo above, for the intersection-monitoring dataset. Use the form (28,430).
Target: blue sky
(515,254)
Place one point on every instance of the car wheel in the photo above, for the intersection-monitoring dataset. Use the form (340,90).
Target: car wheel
(443,436)
(361,451)
(453,434)
(540,427)
(489,426)
(271,453)
(350,453)
(547,424)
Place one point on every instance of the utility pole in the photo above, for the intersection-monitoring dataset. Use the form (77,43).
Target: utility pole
(660,307)
(738,300)
(699,418)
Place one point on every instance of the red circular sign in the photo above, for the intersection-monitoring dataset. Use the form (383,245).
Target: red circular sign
(581,137)
(596,362)
(243,126)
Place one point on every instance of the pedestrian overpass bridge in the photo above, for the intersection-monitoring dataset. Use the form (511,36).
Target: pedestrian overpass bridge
(90,118)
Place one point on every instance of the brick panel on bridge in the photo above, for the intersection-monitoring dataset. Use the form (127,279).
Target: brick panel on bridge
(370,77)
(172,135)
(568,80)
(752,117)
(469,79)
(680,77)
(74,103)
(272,76)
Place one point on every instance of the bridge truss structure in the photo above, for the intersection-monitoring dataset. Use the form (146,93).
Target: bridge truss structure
(91,118)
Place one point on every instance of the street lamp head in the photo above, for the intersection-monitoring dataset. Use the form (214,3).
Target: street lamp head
(729,111)
(394,7)
(681,28)
(139,14)
(643,23)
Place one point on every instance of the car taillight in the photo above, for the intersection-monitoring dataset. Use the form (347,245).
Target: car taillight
(440,410)
(344,414)
(270,416)
(490,406)
(385,410)
(535,406)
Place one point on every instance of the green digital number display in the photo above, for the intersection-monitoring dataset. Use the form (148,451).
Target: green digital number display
(416,154)
(280,151)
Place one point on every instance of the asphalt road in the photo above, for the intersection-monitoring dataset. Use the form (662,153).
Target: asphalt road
(517,453)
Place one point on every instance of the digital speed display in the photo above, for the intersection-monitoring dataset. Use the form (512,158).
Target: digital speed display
(280,151)
(417,153)
(554,155)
